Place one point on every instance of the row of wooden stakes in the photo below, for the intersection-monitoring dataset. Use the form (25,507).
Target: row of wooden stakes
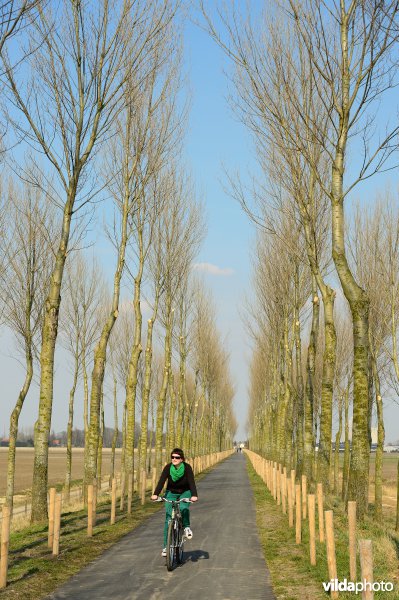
(293,497)
(55,500)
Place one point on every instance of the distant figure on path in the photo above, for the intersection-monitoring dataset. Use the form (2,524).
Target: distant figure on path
(181,484)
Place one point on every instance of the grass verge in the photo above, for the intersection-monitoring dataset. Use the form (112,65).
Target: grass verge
(292,575)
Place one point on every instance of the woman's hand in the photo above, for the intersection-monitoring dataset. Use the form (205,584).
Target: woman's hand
(154,497)
(194,498)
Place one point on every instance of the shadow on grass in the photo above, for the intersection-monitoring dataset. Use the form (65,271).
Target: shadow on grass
(23,576)
(29,546)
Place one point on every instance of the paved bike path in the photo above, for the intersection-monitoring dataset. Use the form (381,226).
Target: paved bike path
(223,561)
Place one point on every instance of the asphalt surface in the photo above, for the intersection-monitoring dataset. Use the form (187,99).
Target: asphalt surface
(223,561)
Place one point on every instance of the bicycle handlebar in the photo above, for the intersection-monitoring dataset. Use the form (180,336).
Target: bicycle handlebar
(163,499)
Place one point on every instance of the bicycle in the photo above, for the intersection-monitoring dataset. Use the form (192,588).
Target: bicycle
(175,539)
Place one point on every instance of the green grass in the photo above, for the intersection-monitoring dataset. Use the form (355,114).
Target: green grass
(292,575)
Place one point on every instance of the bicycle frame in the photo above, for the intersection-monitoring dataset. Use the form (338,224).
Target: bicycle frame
(175,540)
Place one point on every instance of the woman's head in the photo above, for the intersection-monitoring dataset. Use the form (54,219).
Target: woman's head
(177,455)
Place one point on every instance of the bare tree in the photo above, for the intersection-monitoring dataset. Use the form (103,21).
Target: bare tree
(68,98)
(84,292)
(29,243)
(182,229)
(143,139)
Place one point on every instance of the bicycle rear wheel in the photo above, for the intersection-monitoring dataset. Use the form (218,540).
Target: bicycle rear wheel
(171,546)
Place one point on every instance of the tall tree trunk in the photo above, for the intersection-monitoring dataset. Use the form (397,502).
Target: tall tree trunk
(68,474)
(132,377)
(299,381)
(100,443)
(100,354)
(49,338)
(337,444)
(347,450)
(380,442)
(145,401)
(171,430)
(115,434)
(160,419)
(309,442)
(359,305)
(14,419)
(327,389)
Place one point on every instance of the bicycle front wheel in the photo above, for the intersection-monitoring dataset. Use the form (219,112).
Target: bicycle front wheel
(171,546)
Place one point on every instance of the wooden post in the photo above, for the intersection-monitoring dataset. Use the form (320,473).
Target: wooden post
(304,496)
(330,544)
(290,505)
(5,540)
(312,528)
(278,486)
(352,538)
(143,482)
(366,566)
(274,482)
(113,501)
(298,525)
(293,486)
(320,510)
(129,493)
(90,510)
(57,524)
(51,510)
(284,492)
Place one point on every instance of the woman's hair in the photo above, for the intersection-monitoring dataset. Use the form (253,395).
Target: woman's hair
(178,451)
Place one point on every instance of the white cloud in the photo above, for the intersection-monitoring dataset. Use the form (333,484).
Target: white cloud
(213,269)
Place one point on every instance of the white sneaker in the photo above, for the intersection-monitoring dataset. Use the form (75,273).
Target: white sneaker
(163,552)
(188,533)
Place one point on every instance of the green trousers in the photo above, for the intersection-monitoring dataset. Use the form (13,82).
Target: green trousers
(184,509)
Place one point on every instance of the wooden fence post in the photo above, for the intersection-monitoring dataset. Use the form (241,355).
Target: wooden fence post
(90,510)
(284,492)
(352,538)
(5,540)
(278,486)
(330,544)
(293,486)
(57,524)
(113,501)
(304,496)
(320,510)
(298,516)
(51,512)
(290,504)
(312,528)
(366,565)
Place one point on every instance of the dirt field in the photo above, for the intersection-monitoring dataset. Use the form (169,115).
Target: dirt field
(57,465)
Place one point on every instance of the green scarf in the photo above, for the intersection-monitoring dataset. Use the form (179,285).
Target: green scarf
(177,472)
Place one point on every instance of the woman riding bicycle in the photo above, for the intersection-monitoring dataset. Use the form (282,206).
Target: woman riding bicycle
(181,484)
